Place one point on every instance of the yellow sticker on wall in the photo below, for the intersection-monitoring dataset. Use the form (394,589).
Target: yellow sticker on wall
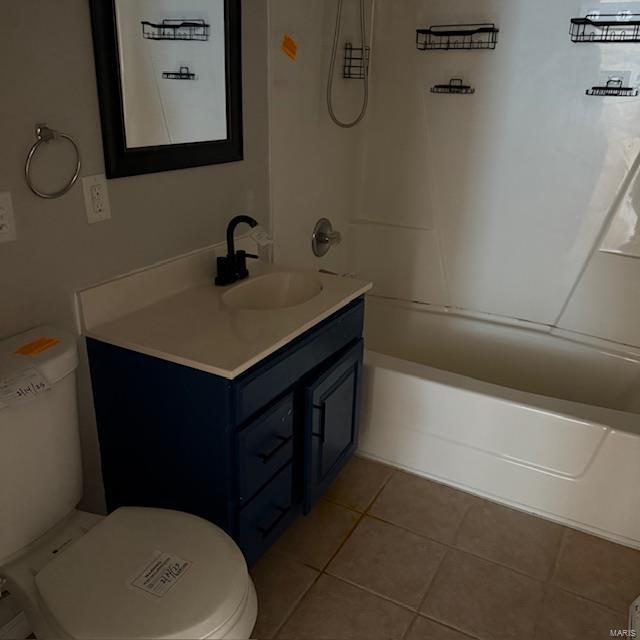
(37,346)
(289,47)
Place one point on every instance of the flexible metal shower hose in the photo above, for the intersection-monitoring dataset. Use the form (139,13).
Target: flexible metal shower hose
(332,67)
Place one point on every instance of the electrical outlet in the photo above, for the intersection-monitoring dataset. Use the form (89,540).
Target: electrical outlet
(7,219)
(96,198)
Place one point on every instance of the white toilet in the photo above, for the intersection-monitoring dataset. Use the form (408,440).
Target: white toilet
(137,573)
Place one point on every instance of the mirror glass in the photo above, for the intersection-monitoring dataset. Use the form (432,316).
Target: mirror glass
(172,71)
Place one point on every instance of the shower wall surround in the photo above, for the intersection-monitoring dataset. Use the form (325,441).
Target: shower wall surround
(495,202)
(314,163)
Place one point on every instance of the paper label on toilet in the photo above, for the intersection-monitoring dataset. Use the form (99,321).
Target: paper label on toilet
(161,574)
(22,386)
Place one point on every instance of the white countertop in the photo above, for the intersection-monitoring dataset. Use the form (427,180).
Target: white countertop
(195,328)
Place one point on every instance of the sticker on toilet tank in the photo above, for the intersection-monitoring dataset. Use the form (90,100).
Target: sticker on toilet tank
(22,386)
(161,574)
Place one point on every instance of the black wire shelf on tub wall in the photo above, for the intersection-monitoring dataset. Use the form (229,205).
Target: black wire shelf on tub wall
(457,36)
(606,27)
(183,74)
(455,86)
(176,30)
(615,88)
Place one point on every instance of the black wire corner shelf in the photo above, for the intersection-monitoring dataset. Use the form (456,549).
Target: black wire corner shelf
(613,87)
(606,27)
(356,62)
(457,36)
(455,86)
(183,74)
(176,30)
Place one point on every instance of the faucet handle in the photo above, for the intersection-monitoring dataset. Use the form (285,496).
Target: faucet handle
(324,237)
(335,237)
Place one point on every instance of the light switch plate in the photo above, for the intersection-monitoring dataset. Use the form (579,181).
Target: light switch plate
(96,198)
(7,219)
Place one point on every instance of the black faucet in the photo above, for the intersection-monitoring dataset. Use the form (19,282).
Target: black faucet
(233,266)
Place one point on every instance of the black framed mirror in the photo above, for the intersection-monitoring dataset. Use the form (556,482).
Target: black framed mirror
(169,83)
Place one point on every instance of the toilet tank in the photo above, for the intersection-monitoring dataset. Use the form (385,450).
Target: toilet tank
(40,465)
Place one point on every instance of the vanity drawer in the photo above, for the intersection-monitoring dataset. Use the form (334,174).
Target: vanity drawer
(262,520)
(282,370)
(264,446)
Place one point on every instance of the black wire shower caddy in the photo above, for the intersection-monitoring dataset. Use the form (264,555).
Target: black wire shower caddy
(457,36)
(176,30)
(356,62)
(606,27)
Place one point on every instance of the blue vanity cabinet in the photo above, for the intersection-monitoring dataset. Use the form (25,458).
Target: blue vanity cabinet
(248,454)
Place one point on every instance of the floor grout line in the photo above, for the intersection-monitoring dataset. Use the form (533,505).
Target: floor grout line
(548,584)
(361,515)
(345,581)
(432,581)
(380,490)
(556,563)
(589,600)
(346,538)
(448,626)
(276,633)
(407,631)
(369,504)
(456,535)
(371,592)
(451,546)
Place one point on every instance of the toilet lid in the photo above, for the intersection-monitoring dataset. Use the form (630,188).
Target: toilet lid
(145,573)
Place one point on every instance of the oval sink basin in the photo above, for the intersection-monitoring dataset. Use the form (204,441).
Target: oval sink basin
(273,291)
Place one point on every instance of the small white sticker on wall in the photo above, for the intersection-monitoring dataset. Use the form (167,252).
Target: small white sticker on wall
(161,574)
(22,386)
(260,236)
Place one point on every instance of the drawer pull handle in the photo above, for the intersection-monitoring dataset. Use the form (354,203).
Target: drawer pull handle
(322,409)
(265,457)
(265,531)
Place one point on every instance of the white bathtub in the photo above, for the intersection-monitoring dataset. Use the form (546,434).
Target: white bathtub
(537,419)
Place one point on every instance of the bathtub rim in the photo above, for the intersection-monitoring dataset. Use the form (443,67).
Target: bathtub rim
(609,419)
(609,347)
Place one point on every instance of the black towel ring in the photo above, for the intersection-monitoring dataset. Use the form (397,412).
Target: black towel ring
(45,135)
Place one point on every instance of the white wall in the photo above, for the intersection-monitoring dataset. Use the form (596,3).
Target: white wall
(314,164)
(495,202)
(155,216)
(514,182)
(606,299)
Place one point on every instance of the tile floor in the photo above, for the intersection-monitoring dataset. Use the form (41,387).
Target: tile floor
(389,555)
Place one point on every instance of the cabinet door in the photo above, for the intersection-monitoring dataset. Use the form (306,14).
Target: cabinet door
(331,403)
